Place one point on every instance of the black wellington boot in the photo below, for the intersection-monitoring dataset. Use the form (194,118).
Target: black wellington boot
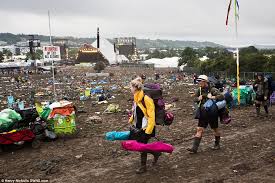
(196,144)
(217,143)
(156,157)
(258,110)
(266,110)
(142,168)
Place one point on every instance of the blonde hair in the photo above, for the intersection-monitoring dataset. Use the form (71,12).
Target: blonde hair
(137,83)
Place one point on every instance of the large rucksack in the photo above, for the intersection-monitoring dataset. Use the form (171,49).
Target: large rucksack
(269,81)
(154,91)
(215,83)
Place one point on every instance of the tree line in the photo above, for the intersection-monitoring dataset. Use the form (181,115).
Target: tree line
(162,53)
(221,59)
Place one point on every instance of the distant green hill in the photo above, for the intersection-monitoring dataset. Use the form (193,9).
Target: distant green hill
(9,38)
(141,43)
(159,43)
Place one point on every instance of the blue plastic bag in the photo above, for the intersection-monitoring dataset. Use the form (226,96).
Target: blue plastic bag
(10,99)
(97,90)
(82,98)
(112,136)
(21,105)
(102,82)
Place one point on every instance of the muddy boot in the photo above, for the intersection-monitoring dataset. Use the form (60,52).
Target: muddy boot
(142,169)
(258,110)
(217,143)
(196,144)
(156,157)
(266,110)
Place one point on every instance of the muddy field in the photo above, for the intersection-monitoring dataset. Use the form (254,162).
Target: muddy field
(247,153)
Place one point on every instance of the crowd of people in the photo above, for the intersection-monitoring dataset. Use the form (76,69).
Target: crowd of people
(143,119)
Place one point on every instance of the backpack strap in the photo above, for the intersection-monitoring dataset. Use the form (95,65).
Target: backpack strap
(200,95)
(143,102)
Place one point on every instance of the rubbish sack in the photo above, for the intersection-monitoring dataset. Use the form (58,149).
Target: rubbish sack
(133,145)
(11,114)
(87,92)
(112,108)
(246,95)
(38,107)
(5,124)
(114,135)
(45,113)
(49,134)
(8,118)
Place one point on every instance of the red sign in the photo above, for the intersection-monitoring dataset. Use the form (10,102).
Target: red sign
(50,49)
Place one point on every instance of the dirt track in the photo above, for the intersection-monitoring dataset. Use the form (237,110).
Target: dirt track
(247,154)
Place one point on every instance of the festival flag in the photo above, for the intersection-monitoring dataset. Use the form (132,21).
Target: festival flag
(236,14)
(228,11)
(237,9)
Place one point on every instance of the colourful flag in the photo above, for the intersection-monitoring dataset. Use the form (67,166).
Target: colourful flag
(228,11)
(237,8)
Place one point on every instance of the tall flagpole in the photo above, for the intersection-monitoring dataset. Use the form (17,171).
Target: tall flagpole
(50,30)
(237,50)
(238,77)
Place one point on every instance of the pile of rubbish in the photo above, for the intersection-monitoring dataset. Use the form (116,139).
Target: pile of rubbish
(35,124)
(18,127)
(60,116)
(98,90)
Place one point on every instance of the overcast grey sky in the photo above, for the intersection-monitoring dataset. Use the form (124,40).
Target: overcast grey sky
(200,20)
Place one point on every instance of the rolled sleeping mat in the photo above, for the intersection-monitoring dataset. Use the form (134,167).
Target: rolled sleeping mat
(221,104)
(114,135)
(133,145)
